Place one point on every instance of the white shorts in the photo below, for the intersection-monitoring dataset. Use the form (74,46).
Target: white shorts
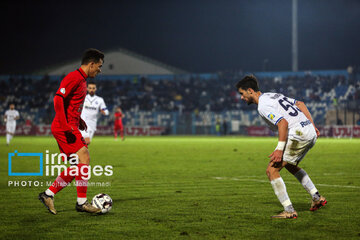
(300,141)
(10,128)
(89,133)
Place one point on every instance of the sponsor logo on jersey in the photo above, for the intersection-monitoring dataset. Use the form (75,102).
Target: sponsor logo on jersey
(90,108)
(271,116)
(62,90)
(305,123)
(277,95)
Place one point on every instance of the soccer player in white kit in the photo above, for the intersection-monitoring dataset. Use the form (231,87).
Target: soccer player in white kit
(10,117)
(93,104)
(297,135)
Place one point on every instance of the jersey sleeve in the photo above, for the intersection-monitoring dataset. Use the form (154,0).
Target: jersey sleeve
(271,114)
(17,114)
(103,107)
(291,100)
(67,85)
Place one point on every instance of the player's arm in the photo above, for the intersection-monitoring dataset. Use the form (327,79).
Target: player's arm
(103,109)
(60,111)
(17,117)
(276,156)
(301,105)
(67,86)
(104,112)
(5,117)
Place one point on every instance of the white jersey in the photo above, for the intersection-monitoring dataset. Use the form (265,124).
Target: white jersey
(91,109)
(274,106)
(11,115)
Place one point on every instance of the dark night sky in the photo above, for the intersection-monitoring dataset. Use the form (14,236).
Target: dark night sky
(198,36)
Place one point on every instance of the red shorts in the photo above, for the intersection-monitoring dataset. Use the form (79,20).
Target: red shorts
(69,142)
(118,127)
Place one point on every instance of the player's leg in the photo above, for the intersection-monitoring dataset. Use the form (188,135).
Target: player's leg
(10,131)
(13,130)
(305,180)
(68,143)
(82,178)
(87,140)
(115,132)
(121,127)
(299,151)
(8,138)
(273,173)
(63,180)
(86,136)
(82,205)
(91,135)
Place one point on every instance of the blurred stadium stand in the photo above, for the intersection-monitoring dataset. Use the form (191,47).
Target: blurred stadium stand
(192,103)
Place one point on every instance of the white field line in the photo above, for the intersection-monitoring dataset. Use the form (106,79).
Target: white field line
(266,181)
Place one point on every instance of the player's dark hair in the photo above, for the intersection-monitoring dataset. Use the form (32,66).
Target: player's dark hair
(247,82)
(91,82)
(92,55)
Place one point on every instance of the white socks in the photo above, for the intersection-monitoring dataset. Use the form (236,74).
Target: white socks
(280,191)
(49,193)
(309,186)
(81,201)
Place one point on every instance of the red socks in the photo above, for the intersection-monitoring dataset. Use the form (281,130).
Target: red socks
(82,180)
(67,176)
(61,181)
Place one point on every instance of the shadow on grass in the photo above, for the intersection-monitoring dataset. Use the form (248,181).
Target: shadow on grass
(302,207)
(130,199)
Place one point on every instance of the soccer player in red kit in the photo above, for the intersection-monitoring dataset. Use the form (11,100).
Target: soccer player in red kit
(118,125)
(68,104)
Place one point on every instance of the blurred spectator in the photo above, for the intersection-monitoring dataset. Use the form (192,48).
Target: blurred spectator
(183,94)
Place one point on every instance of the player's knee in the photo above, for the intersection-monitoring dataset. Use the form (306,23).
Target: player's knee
(84,156)
(270,171)
(85,159)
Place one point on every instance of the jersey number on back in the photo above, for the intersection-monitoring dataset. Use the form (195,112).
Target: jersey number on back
(287,105)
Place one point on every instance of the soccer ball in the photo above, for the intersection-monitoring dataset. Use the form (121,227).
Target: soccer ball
(102,201)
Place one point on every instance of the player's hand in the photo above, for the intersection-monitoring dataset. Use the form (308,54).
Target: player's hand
(82,125)
(276,156)
(317,132)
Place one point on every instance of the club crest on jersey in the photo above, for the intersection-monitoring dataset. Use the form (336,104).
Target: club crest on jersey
(62,90)
(271,116)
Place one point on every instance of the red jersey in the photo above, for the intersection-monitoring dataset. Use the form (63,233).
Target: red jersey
(73,90)
(118,118)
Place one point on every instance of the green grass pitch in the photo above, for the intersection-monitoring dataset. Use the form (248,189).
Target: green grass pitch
(187,188)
